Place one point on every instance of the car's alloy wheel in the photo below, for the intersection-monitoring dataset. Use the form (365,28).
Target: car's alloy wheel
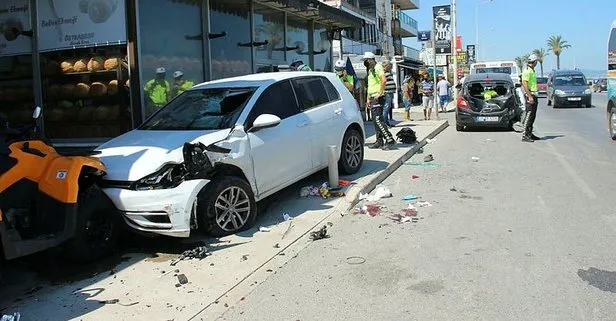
(352,154)
(612,123)
(226,206)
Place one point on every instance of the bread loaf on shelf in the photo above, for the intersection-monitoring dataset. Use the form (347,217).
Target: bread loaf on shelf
(111,63)
(95,64)
(82,90)
(80,65)
(98,89)
(67,66)
(67,90)
(112,88)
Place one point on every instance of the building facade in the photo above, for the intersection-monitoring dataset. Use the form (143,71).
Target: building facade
(98,68)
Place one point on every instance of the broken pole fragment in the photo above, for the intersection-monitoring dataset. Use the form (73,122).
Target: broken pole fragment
(333,166)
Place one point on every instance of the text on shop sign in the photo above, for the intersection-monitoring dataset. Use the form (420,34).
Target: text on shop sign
(23,8)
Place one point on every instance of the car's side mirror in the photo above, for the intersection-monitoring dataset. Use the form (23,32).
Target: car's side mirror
(265,121)
(37,112)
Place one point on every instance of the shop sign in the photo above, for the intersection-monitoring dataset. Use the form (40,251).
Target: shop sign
(14,19)
(461,58)
(442,29)
(426,55)
(86,23)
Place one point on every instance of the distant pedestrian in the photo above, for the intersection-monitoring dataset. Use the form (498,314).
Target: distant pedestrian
(529,82)
(443,92)
(427,91)
(376,99)
(407,96)
(390,90)
(298,65)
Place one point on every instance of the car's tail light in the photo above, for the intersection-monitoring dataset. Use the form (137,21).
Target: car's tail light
(462,103)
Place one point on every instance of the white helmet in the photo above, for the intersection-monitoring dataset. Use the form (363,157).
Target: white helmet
(340,65)
(160,70)
(532,58)
(178,74)
(369,55)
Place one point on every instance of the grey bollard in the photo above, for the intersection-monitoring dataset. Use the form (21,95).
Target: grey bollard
(332,166)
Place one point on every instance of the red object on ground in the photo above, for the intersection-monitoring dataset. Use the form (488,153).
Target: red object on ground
(344,182)
(242,299)
(414,177)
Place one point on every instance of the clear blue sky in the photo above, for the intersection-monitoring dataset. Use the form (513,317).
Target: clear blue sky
(510,28)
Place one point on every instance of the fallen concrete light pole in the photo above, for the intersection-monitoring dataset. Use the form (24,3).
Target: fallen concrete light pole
(333,166)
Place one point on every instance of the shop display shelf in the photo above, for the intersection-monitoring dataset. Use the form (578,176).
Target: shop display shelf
(85,73)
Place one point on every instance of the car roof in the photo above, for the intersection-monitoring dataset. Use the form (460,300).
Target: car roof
(566,72)
(259,79)
(489,75)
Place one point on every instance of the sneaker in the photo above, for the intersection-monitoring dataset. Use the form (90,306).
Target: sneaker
(535,137)
(376,145)
(528,139)
(388,145)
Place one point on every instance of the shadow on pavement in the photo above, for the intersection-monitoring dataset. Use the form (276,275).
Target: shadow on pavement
(550,137)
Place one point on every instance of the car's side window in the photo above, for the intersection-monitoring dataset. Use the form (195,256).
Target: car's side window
(310,92)
(278,99)
(331,90)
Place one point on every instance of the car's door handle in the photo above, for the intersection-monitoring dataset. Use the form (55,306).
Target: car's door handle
(338,111)
(302,124)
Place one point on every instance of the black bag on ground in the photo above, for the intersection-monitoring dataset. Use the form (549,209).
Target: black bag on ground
(407,136)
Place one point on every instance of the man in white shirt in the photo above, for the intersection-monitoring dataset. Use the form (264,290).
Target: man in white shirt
(443,91)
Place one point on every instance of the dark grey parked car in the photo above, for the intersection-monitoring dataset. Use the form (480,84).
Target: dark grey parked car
(487,100)
(568,88)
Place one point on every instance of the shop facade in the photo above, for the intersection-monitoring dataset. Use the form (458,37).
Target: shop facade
(98,68)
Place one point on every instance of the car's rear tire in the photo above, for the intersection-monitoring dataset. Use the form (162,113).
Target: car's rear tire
(226,206)
(549,102)
(351,152)
(611,119)
(99,227)
(459,127)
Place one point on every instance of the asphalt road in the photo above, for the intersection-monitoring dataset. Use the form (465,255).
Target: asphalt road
(524,231)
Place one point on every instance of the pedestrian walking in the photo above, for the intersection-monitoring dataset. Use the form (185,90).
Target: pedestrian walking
(407,96)
(443,92)
(427,90)
(529,82)
(376,99)
(390,90)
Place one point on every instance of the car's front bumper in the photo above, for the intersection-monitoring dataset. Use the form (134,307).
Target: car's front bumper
(467,117)
(161,211)
(573,100)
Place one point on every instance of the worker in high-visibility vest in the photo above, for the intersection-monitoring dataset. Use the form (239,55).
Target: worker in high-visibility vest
(179,84)
(345,78)
(157,91)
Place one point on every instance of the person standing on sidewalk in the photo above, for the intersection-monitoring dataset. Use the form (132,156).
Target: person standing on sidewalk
(390,90)
(407,96)
(529,82)
(376,99)
(443,92)
(427,91)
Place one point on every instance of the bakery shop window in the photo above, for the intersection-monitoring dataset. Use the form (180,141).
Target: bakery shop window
(322,48)
(86,93)
(230,40)
(16,97)
(171,50)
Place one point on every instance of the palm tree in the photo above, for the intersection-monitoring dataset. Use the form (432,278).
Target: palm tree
(274,34)
(521,60)
(557,44)
(540,53)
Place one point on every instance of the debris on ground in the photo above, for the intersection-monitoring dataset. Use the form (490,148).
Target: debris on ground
(344,183)
(475,159)
(422,164)
(428,158)
(113,301)
(410,197)
(324,191)
(199,252)
(489,140)
(407,135)
(320,234)
(408,215)
(424,204)
(11,317)
(330,224)
(163,273)
(264,229)
(453,189)
(286,216)
(414,177)
(379,192)
(431,140)
(370,209)
(244,258)
(477,198)
(182,279)
(288,229)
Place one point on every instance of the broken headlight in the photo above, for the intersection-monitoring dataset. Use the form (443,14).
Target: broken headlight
(169,176)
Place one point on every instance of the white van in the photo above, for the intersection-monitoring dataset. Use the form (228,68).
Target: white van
(502,67)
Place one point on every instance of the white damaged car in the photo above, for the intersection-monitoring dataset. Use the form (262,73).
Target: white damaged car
(208,156)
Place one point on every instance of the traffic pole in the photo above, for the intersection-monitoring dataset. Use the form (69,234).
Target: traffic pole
(455,49)
(434,93)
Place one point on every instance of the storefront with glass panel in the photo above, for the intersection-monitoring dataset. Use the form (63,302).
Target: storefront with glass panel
(98,68)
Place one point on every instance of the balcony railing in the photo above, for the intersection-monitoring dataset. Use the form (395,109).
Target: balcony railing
(356,47)
(406,4)
(406,51)
(405,19)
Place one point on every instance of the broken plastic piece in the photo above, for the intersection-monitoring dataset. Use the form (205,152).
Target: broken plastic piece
(344,182)
(423,164)
(182,279)
(475,159)
(430,140)
(8,317)
(286,216)
(320,234)
(428,158)
(423,204)
(199,252)
(410,197)
(414,177)
(264,229)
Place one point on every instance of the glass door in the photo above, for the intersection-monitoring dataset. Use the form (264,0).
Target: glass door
(268,38)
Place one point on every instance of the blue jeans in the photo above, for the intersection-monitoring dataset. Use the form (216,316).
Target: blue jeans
(407,104)
(389,101)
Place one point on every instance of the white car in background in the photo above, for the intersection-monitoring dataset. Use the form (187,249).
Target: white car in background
(209,155)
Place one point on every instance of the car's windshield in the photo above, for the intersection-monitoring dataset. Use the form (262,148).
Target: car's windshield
(203,109)
(498,70)
(542,80)
(569,81)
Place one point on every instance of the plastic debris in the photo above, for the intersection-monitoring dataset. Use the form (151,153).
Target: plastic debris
(370,209)
(286,216)
(199,252)
(355,260)
(430,140)
(320,234)
(423,164)
(475,159)
(112,301)
(410,197)
(414,177)
(309,191)
(264,229)
(344,182)
(244,258)
(182,279)
(490,140)
(11,317)
(324,190)
(379,192)
(428,158)
(424,204)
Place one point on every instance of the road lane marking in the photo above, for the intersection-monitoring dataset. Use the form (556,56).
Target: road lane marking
(579,181)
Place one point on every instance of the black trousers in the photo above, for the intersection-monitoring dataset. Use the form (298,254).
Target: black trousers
(382,132)
(531,114)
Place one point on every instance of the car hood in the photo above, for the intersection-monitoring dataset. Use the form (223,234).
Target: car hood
(138,153)
(571,89)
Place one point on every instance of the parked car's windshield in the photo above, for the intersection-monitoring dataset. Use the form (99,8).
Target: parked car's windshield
(498,70)
(569,81)
(204,109)
(542,80)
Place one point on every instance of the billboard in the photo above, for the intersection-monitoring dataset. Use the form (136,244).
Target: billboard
(442,29)
(470,53)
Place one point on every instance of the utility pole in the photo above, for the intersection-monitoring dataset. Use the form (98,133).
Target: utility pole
(455,48)
(434,93)
(387,32)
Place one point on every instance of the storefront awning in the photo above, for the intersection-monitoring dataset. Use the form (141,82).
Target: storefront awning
(317,11)
(411,64)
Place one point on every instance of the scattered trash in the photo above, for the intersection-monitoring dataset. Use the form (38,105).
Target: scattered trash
(370,209)
(8,317)
(355,260)
(309,191)
(423,164)
(163,273)
(244,258)
(320,234)
(264,229)
(269,270)
(330,224)
(242,298)
(428,158)
(324,190)
(112,301)
(430,140)
(490,140)
(424,204)
(408,215)
(410,197)
(182,279)
(288,229)
(276,246)
(286,216)
(478,198)
(453,189)
(199,252)
(344,182)
(414,177)
(475,159)
(379,192)
(407,135)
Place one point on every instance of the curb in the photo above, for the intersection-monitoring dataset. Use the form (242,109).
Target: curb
(395,165)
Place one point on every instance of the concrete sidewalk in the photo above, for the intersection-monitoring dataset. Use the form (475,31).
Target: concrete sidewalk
(149,285)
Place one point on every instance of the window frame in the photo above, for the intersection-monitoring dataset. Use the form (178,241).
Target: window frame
(252,115)
(300,104)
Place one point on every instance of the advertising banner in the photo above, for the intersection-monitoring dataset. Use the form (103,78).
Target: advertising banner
(458,43)
(424,35)
(14,19)
(85,23)
(462,59)
(427,57)
(470,53)
(442,29)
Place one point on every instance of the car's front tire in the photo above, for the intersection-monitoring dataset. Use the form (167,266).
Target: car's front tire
(549,102)
(459,127)
(611,122)
(352,152)
(226,206)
